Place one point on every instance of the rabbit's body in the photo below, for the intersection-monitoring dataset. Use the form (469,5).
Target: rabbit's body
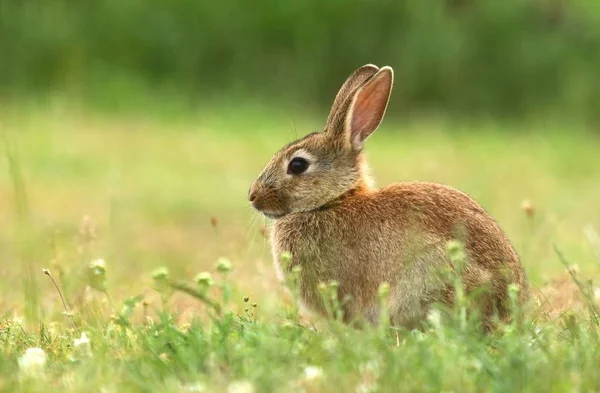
(338,227)
(396,235)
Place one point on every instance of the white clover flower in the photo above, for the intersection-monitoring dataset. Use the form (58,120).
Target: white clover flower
(330,345)
(99,265)
(240,387)
(224,265)
(204,279)
(97,274)
(196,387)
(160,273)
(597,293)
(312,372)
(82,345)
(384,290)
(33,361)
(435,318)
(160,277)
(367,387)
(82,341)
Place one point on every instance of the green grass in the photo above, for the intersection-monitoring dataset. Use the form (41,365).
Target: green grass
(170,190)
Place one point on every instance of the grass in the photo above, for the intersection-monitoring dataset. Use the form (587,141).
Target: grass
(150,191)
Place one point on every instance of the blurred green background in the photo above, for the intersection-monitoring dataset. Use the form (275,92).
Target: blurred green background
(457,57)
(152,118)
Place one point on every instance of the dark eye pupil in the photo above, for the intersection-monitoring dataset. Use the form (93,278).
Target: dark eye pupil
(297,166)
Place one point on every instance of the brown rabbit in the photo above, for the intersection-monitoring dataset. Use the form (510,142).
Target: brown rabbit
(337,226)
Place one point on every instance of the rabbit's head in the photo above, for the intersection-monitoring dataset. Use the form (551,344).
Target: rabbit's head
(309,173)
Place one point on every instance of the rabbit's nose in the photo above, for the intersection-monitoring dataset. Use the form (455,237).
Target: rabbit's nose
(252,194)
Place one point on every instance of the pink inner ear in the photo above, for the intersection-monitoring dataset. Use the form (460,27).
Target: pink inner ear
(369,107)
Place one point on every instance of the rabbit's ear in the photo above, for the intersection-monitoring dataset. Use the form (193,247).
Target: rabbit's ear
(368,106)
(340,104)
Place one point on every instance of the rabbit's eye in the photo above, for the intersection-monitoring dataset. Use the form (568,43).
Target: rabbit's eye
(297,166)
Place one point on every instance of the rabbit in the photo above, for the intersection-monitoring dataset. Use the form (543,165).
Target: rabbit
(337,226)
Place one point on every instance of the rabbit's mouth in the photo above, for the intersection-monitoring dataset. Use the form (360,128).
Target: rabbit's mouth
(272,215)
(268,203)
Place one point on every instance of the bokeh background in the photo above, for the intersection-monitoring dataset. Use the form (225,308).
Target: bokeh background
(133,129)
(455,56)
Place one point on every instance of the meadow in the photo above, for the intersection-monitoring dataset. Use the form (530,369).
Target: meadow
(118,205)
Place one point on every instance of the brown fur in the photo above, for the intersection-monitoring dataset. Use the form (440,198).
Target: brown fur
(338,227)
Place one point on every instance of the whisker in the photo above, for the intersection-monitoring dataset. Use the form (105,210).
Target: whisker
(265,240)
(251,228)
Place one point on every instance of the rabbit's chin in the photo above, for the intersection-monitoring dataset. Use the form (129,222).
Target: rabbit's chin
(273,215)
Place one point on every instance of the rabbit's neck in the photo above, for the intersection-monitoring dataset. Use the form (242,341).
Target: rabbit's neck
(360,190)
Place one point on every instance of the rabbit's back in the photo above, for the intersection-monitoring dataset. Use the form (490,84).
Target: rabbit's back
(397,235)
